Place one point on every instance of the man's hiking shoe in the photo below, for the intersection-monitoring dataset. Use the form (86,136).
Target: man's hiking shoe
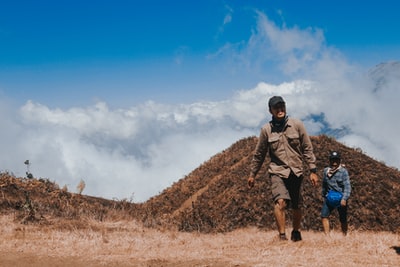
(295,236)
(282,237)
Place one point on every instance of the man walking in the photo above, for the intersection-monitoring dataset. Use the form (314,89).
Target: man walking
(286,144)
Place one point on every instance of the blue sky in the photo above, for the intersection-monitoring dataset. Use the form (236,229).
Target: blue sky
(131,96)
(71,53)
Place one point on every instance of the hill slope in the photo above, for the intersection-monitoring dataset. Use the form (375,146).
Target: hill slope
(215,197)
(43,202)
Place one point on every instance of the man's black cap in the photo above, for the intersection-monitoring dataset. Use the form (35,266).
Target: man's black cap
(334,155)
(275,100)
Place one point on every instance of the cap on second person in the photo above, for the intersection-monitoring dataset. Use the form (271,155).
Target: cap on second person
(334,155)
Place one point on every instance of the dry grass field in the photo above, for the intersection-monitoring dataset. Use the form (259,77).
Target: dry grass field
(127,243)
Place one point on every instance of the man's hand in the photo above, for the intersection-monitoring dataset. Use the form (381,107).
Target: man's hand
(250,182)
(343,203)
(314,179)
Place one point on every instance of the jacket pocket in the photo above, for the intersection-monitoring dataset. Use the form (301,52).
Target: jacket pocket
(273,142)
(294,141)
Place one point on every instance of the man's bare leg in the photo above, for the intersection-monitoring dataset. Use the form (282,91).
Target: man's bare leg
(279,212)
(325,225)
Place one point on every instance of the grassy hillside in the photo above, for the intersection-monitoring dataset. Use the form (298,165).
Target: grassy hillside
(214,197)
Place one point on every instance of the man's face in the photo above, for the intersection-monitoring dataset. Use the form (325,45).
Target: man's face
(278,111)
(334,162)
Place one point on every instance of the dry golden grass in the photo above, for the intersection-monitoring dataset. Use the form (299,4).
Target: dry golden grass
(127,243)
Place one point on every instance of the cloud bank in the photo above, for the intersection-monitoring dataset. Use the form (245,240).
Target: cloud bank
(137,152)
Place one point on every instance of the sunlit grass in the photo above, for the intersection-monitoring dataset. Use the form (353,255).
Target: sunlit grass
(127,243)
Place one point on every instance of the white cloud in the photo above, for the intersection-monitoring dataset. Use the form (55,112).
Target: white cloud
(138,151)
(227,20)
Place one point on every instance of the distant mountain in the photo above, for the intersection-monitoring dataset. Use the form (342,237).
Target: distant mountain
(215,198)
(385,74)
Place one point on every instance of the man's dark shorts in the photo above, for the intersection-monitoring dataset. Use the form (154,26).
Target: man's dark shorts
(287,188)
(327,210)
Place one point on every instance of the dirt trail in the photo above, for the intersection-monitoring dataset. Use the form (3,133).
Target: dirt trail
(189,202)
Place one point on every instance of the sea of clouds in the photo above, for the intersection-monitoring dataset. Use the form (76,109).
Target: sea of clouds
(134,153)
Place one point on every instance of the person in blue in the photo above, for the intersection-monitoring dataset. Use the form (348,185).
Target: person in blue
(336,190)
